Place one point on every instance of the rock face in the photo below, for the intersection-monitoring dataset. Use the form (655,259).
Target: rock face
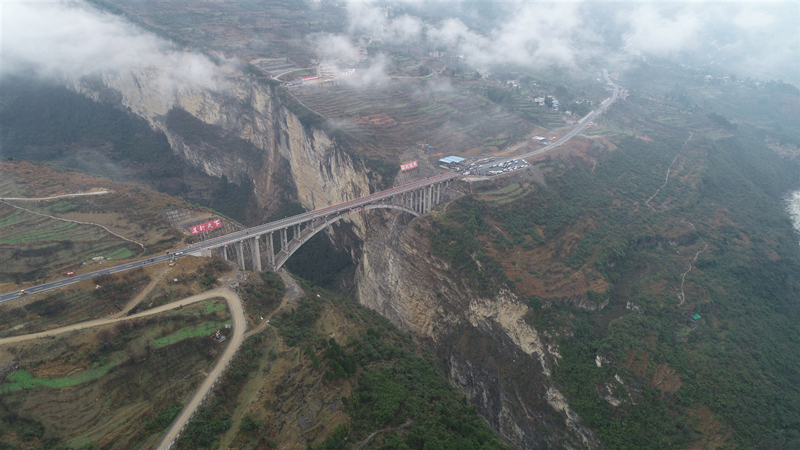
(237,108)
(490,353)
(500,362)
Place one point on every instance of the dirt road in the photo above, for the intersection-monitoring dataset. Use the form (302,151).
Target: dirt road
(227,294)
(292,293)
(239,324)
(72,221)
(157,276)
(24,199)
(369,438)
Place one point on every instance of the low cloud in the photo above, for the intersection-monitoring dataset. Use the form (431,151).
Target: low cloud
(655,31)
(535,35)
(57,39)
(341,53)
(762,39)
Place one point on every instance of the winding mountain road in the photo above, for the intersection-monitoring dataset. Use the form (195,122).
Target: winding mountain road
(234,342)
(238,325)
(227,294)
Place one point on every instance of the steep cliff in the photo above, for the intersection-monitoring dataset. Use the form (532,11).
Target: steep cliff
(237,109)
(485,346)
(500,362)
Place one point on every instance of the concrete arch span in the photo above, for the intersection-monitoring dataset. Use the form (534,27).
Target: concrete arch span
(310,231)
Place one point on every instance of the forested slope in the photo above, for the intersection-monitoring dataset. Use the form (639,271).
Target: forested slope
(642,372)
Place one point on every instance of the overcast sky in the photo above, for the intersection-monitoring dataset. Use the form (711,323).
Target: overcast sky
(760,39)
(757,38)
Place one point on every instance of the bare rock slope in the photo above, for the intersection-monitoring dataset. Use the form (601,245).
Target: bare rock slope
(500,362)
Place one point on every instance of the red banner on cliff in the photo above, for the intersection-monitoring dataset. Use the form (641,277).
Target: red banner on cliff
(407,166)
(208,226)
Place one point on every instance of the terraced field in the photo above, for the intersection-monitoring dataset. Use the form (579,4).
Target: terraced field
(107,386)
(65,307)
(33,246)
(449,121)
(203,329)
(506,194)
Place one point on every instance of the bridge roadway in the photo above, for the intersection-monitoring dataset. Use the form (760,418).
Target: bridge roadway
(319,213)
(305,217)
(236,236)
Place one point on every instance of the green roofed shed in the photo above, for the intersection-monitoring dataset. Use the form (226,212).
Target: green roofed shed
(695,317)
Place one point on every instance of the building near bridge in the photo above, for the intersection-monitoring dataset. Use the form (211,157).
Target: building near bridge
(451,160)
(326,70)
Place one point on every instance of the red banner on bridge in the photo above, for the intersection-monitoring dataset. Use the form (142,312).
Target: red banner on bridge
(407,166)
(208,226)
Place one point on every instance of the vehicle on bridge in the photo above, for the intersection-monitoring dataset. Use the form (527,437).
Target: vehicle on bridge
(23,292)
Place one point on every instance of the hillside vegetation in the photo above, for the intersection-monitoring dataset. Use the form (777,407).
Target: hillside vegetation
(116,387)
(328,375)
(724,378)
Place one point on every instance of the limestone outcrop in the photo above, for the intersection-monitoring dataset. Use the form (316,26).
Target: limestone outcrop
(401,278)
(397,273)
(240,108)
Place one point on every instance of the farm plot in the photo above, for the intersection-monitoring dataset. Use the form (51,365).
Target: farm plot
(33,246)
(71,306)
(105,386)
(449,121)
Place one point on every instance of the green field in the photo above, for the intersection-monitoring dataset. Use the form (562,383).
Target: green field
(21,379)
(203,329)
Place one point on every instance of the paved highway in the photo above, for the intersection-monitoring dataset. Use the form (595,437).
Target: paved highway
(584,122)
(322,212)
(219,241)
(581,125)
(67,281)
(301,218)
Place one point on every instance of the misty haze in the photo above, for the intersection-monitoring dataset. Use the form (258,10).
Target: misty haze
(399,225)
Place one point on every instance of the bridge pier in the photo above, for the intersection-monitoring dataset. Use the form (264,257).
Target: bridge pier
(270,251)
(225,252)
(240,254)
(284,239)
(256,254)
(429,197)
(296,232)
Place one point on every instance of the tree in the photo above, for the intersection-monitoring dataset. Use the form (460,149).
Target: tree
(562,93)
(548,101)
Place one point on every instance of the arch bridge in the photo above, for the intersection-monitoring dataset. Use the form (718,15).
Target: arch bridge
(259,246)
